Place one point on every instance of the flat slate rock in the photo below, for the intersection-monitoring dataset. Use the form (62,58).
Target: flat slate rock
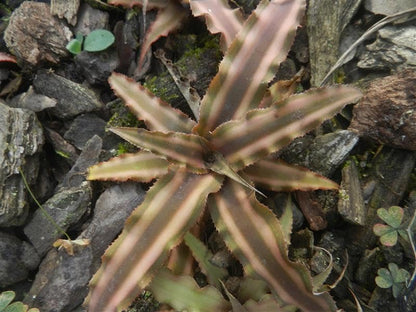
(90,19)
(33,101)
(388,7)
(72,98)
(97,66)
(89,156)
(35,36)
(351,201)
(66,208)
(17,259)
(387,112)
(83,128)
(323,154)
(394,48)
(21,140)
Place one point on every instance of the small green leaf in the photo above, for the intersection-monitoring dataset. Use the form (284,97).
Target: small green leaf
(16,307)
(184,294)
(382,229)
(5,298)
(389,239)
(74,46)
(392,217)
(393,277)
(202,254)
(389,233)
(384,278)
(98,40)
(399,275)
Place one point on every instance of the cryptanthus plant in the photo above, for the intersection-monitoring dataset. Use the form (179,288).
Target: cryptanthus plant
(213,166)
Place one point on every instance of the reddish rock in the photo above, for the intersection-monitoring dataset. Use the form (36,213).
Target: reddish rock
(35,36)
(387,112)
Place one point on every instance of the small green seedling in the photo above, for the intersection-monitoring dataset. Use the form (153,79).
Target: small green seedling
(95,41)
(6,305)
(392,277)
(390,231)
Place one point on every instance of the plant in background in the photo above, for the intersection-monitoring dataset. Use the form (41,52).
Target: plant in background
(6,305)
(208,168)
(393,277)
(397,279)
(95,41)
(394,227)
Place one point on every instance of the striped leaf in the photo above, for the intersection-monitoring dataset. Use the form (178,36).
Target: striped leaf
(254,235)
(142,167)
(170,208)
(219,17)
(182,293)
(278,176)
(5,57)
(183,148)
(167,20)
(250,63)
(265,131)
(157,114)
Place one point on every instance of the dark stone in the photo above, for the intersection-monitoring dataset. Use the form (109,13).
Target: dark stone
(66,208)
(323,154)
(388,8)
(83,128)
(97,66)
(35,36)
(61,146)
(62,281)
(89,156)
(72,98)
(21,139)
(32,101)
(90,19)
(17,258)
(394,48)
(387,112)
(366,271)
(351,202)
